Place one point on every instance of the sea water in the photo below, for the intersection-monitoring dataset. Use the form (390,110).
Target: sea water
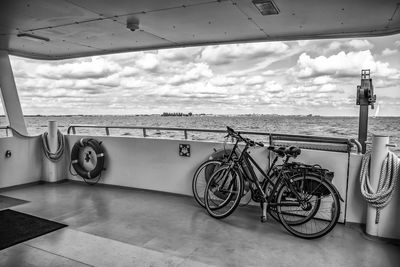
(344,127)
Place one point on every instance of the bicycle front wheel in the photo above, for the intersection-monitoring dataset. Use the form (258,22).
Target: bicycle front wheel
(201,177)
(312,215)
(223,192)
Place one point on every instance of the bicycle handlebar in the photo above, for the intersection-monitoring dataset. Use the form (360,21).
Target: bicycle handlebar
(237,135)
(291,151)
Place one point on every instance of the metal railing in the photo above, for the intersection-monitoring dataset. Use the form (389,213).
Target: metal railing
(273,137)
(6,128)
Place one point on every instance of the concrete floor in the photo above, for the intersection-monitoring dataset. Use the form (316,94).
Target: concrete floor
(129,227)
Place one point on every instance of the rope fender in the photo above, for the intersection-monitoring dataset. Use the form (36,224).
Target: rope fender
(390,172)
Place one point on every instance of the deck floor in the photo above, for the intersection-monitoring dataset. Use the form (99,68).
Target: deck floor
(131,227)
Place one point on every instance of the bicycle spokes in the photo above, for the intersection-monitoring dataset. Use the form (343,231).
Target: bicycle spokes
(311,215)
(223,192)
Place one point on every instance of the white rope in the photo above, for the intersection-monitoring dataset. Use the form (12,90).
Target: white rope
(54,157)
(390,172)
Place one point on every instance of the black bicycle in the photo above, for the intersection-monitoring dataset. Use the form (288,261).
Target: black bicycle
(306,203)
(206,169)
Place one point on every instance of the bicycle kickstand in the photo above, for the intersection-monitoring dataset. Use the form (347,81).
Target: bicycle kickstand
(264,206)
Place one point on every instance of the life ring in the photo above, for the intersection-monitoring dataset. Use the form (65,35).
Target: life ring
(87,158)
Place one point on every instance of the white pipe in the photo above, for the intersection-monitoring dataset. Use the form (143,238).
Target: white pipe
(378,155)
(51,167)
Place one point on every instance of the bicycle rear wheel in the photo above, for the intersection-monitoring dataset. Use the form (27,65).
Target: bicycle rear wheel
(315,214)
(223,192)
(200,178)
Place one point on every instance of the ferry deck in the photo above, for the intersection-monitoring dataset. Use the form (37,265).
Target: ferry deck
(142,212)
(132,227)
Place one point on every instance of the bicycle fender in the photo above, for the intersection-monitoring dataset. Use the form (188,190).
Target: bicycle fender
(336,190)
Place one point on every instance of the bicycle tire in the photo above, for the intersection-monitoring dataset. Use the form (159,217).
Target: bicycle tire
(267,188)
(223,192)
(200,178)
(325,212)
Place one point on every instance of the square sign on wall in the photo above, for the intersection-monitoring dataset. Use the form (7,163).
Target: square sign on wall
(184,150)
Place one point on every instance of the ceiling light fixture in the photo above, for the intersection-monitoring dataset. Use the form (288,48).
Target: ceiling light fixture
(132,24)
(266,7)
(33,37)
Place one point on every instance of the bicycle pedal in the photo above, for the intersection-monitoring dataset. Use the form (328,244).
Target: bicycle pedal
(263,219)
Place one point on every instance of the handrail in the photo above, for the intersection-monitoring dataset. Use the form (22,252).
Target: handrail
(5,128)
(272,136)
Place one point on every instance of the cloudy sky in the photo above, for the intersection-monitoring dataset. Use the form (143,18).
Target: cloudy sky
(300,77)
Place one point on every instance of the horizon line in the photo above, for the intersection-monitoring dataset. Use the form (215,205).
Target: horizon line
(197,114)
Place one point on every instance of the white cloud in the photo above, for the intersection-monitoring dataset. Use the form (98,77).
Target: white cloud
(342,65)
(268,72)
(254,80)
(303,43)
(389,52)
(322,80)
(360,44)
(225,54)
(95,67)
(149,61)
(192,72)
(349,45)
(328,88)
(129,71)
(222,80)
(273,87)
(182,54)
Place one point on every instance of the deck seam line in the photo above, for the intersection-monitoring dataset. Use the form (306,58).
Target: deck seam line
(57,254)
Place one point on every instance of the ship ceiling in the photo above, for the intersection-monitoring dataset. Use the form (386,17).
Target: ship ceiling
(76,28)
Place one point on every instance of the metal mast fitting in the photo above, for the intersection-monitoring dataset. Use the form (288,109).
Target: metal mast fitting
(365,97)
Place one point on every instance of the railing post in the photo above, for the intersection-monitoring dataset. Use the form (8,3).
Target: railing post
(73,130)
(144,132)
(51,169)
(185,132)
(107,131)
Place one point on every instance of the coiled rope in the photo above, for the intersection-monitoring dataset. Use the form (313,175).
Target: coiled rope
(54,157)
(390,172)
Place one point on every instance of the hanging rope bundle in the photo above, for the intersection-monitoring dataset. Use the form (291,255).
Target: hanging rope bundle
(54,157)
(390,172)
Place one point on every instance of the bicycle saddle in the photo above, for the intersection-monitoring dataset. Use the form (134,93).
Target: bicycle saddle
(280,151)
(293,151)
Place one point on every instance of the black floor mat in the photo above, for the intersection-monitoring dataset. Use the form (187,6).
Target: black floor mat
(17,227)
(6,202)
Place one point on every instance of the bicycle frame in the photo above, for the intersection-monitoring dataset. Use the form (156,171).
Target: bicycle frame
(249,161)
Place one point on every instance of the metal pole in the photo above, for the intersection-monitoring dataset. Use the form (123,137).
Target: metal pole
(51,167)
(365,98)
(363,127)
(379,152)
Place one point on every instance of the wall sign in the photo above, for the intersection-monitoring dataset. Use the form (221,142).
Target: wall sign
(184,150)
